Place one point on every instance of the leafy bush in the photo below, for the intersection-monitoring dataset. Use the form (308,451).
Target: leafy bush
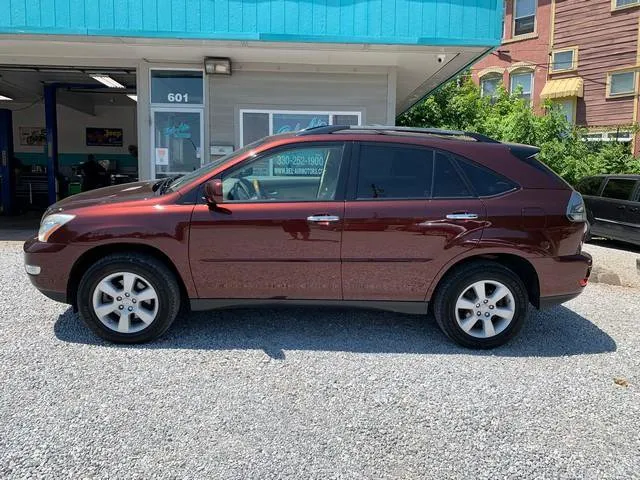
(458,105)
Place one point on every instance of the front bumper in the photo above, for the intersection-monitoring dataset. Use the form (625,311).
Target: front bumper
(54,261)
(563,278)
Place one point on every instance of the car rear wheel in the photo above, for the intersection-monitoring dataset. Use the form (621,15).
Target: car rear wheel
(481,305)
(128,298)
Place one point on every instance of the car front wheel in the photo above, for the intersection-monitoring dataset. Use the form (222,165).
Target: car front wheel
(128,298)
(481,305)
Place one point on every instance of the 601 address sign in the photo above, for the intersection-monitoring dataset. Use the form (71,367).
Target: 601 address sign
(178,98)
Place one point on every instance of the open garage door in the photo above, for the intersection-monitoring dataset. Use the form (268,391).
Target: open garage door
(73,129)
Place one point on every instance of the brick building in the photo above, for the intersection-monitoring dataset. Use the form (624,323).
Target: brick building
(582,55)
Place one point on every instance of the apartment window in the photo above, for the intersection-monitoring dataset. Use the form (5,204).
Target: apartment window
(621,84)
(564,60)
(568,108)
(255,124)
(625,3)
(522,84)
(524,17)
(489,85)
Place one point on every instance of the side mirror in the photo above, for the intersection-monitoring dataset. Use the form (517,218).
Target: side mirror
(213,192)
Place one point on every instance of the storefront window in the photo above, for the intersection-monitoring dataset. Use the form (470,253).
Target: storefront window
(257,124)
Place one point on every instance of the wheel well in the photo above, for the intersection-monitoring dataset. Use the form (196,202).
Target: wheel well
(91,256)
(518,265)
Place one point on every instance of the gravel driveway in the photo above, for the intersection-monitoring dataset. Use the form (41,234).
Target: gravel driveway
(307,393)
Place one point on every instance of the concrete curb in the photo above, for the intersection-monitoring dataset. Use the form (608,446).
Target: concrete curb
(603,275)
(614,266)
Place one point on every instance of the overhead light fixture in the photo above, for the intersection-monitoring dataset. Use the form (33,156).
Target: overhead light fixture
(133,97)
(106,80)
(217,66)
(5,98)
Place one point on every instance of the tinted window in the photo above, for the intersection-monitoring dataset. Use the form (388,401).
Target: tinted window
(447,183)
(485,182)
(619,188)
(590,186)
(388,171)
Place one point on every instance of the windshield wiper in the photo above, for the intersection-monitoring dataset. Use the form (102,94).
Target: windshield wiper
(163,184)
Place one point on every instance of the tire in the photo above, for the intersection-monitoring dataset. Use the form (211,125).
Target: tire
(456,287)
(102,312)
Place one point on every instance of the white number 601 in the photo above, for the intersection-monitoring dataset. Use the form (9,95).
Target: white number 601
(178,98)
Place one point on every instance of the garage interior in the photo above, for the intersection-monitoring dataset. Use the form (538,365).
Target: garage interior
(56,124)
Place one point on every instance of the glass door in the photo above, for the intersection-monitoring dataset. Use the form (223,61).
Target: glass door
(176,144)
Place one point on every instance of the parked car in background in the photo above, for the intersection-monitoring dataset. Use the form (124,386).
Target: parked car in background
(613,206)
(383,217)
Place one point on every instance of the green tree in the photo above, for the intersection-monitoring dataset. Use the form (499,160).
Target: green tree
(459,105)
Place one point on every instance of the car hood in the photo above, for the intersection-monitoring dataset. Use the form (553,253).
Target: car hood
(126,192)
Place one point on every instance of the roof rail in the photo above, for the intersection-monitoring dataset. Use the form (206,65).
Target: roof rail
(382,129)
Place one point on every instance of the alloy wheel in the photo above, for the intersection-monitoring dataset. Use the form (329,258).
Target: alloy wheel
(125,302)
(485,309)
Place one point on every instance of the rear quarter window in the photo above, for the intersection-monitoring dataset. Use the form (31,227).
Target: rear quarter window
(484,181)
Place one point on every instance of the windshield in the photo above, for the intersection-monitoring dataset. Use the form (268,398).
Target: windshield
(205,169)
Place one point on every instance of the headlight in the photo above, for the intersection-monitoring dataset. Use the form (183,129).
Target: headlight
(51,223)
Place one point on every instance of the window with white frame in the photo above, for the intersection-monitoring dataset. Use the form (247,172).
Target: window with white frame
(564,60)
(621,84)
(256,124)
(489,85)
(626,3)
(524,17)
(522,84)
(614,136)
(568,108)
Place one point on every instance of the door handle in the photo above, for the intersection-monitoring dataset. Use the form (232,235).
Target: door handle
(462,216)
(621,207)
(323,218)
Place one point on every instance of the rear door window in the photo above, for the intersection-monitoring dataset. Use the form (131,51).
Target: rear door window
(394,172)
(447,182)
(590,186)
(619,188)
(485,182)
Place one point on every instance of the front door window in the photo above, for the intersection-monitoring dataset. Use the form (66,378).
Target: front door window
(296,174)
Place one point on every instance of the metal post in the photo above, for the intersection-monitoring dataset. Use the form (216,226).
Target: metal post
(6,164)
(51,122)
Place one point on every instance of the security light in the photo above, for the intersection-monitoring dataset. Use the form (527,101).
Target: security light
(106,80)
(217,66)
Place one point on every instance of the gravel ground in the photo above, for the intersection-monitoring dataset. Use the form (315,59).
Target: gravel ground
(306,393)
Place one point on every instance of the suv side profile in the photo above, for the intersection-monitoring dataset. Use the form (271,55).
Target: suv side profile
(613,206)
(391,218)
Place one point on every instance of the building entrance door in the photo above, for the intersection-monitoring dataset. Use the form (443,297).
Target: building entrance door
(176,143)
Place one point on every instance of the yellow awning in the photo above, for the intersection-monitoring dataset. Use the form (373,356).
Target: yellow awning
(563,88)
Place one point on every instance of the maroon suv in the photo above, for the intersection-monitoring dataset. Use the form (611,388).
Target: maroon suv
(383,217)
